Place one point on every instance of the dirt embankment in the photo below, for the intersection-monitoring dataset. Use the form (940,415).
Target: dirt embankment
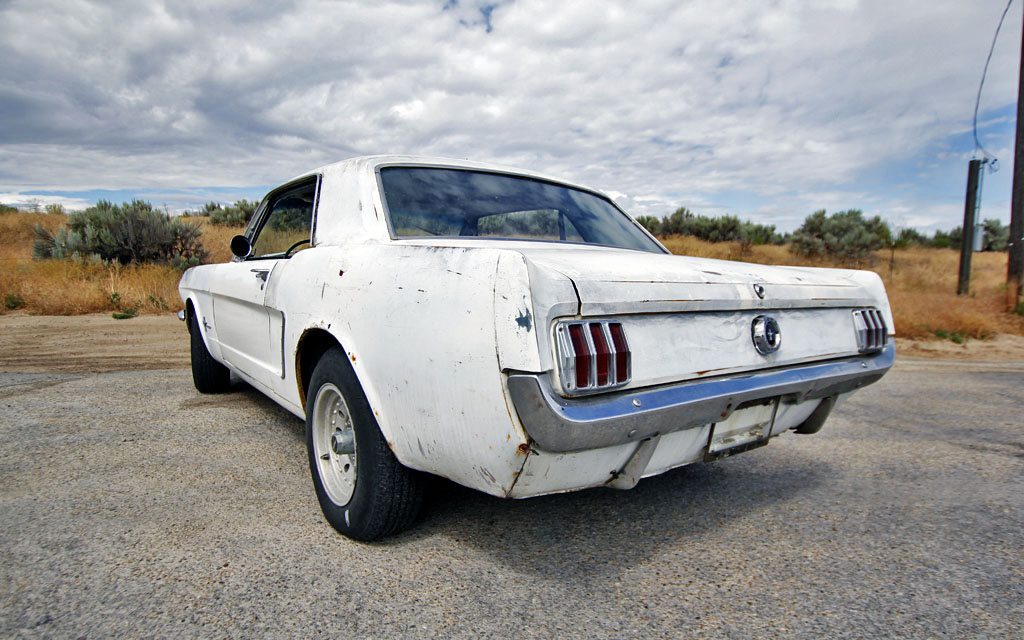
(98,343)
(1001,348)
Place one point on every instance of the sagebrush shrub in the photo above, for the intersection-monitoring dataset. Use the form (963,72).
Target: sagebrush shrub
(129,233)
(722,229)
(236,215)
(845,235)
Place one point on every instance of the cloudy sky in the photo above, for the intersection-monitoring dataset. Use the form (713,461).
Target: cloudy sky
(764,109)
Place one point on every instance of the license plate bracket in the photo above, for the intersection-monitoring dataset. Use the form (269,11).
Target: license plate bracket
(748,427)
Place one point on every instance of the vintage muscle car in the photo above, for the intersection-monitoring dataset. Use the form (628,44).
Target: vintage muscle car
(514,333)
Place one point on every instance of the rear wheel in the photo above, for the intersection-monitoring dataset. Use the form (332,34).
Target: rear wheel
(364,492)
(208,375)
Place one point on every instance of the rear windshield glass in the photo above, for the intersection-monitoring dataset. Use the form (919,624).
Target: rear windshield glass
(424,201)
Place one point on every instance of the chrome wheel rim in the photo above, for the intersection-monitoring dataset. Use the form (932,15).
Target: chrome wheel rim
(334,444)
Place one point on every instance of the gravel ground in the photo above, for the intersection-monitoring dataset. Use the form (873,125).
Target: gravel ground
(133,506)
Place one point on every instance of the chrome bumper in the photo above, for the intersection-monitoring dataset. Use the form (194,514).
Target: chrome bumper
(560,424)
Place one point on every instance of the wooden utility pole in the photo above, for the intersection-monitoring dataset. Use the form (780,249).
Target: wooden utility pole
(1015,261)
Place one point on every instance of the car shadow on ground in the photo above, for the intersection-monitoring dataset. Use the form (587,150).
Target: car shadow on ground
(596,532)
(590,533)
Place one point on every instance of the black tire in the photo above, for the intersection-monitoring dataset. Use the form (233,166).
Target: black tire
(368,494)
(208,375)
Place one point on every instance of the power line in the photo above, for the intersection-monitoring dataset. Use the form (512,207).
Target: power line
(988,157)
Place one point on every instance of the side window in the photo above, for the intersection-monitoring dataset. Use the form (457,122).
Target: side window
(288,224)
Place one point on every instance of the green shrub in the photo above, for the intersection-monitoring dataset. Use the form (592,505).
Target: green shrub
(911,237)
(845,235)
(722,229)
(237,215)
(129,233)
(955,336)
(650,223)
(947,239)
(13,301)
(6,208)
(997,236)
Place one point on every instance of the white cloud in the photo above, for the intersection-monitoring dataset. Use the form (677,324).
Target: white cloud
(669,104)
(30,202)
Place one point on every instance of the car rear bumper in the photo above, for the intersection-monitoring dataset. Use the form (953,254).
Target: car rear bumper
(560,424)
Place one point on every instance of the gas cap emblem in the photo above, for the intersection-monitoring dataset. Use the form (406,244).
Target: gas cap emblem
(759,290)
(766,334)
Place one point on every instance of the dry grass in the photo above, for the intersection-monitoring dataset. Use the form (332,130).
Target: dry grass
(17,232)
(217,240)
(922,289)
(921,282)
(59,287)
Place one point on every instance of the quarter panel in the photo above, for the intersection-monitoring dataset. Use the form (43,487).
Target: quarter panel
(418,325)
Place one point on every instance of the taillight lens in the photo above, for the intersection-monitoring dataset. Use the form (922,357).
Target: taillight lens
(621,350)
(869,326)
(582,357)
(593,356)
(602,352)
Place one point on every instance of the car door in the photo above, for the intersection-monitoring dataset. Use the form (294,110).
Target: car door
(251,333)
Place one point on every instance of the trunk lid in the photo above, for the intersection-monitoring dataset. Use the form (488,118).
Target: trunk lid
(688,318)
(615,281)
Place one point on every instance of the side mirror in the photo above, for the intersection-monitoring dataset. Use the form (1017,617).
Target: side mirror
(241,247)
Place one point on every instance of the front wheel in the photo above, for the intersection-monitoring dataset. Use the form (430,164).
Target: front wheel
(363,490)
(208,375)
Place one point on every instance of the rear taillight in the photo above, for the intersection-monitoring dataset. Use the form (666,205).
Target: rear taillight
(581,356)
(592,356)
(869,325)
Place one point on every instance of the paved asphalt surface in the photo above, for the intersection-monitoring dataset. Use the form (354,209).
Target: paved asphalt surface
(132,506)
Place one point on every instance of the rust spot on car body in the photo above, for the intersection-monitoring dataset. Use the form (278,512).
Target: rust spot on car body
(701,374)
(524,449)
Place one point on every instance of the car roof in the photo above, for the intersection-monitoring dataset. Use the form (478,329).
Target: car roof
(372,163)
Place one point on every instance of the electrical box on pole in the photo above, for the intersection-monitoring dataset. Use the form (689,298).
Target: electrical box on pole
(970,214)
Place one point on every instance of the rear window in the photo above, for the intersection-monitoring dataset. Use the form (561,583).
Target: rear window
(431,202)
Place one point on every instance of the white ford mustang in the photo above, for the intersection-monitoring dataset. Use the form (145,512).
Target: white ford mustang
(515,333)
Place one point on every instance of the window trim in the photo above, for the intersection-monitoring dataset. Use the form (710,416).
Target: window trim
(512,174)
(259,219)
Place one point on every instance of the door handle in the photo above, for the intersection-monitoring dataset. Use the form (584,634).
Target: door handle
(261,273)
